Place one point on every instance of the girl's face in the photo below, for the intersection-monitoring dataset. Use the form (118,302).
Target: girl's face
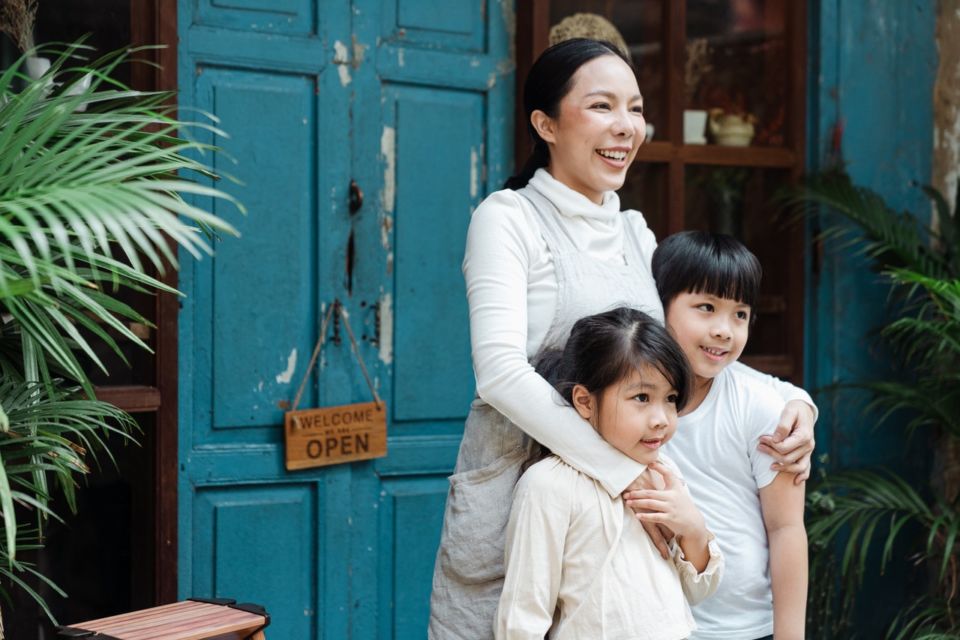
(637,415)
(598,129)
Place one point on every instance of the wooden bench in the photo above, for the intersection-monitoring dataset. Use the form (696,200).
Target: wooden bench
(195,619)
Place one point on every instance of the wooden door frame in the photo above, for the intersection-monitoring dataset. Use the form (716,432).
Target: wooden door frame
(155,22)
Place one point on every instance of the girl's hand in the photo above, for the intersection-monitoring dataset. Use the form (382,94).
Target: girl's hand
(671,506)
(791,444)
(659,534)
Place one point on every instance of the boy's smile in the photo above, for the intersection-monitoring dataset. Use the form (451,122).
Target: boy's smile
(712,332)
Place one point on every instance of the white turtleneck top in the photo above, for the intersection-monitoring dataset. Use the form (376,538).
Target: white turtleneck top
(512,290)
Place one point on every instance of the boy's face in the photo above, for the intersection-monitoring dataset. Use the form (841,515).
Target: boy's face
(711,331)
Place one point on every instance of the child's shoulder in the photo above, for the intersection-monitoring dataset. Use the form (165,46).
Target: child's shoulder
(555,479)
(749,390)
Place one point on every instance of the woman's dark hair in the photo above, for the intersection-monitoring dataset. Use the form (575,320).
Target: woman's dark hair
(702,262)
(549,80)
(604,348)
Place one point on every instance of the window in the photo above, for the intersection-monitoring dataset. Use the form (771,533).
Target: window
(723,84)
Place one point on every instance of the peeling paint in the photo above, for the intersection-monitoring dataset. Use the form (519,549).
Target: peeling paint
(400,57)
(341,58)
(286,375)
(359,52)
(388,149)
(386,328)
(386,226)
(474,177)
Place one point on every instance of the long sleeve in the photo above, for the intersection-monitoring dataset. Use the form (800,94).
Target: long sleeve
(534,554)
(495,267)
(698,586)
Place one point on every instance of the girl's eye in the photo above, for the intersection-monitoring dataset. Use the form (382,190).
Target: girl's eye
(742,315)
(638,110)
(642,397)
(706,306)
(672,398)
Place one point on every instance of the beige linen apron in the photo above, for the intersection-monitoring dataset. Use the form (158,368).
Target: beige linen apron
(468,575)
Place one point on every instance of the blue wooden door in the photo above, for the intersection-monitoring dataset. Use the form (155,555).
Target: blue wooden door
(410,100)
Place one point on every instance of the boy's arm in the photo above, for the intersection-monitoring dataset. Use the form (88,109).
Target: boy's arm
(536,533)
(782,504)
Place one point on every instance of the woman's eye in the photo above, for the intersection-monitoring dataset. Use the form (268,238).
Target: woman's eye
(743,315)
(638,110)
(672,398)
(600,105)
(706,306)
(642,397)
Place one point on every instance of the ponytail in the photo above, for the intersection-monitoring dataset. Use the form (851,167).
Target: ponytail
(539,157)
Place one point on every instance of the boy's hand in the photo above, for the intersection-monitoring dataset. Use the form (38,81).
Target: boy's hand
(671,506)
(659,534)
(791,444)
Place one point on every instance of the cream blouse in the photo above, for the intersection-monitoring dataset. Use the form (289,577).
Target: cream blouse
(581,567)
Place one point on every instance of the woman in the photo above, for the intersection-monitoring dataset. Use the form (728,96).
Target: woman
(549,249)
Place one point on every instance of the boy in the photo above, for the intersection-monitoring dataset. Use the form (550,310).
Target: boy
(708,284)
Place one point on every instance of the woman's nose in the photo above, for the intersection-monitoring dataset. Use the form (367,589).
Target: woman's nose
(624,125)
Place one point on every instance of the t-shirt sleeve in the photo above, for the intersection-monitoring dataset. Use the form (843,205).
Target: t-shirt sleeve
(785,390)
(495,266)
(761,407)
(536,533)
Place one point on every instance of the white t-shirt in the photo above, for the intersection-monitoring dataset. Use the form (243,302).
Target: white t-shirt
(580,565)
(512,289)
(715,447)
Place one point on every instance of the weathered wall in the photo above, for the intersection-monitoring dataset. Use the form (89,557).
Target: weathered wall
(946,100)
(873,65)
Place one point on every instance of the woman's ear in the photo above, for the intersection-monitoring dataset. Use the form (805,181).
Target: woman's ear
(543,125)
(583,402)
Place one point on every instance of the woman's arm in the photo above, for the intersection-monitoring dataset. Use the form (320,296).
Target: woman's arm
(536,534)
(791,443)
(499,243)
(782,505)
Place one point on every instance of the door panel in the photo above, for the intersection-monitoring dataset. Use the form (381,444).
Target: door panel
(413,104)
(232,557)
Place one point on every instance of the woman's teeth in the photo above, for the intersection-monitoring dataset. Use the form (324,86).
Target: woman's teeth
(613,155)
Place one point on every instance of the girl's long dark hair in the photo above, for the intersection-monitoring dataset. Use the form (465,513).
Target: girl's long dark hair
(549,80)
(604,348)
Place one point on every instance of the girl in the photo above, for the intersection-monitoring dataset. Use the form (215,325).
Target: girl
(549,249)
(578,564)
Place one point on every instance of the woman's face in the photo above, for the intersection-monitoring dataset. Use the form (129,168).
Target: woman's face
(598,129)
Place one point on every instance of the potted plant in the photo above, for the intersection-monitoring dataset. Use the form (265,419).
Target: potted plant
(95,179)
(856,515)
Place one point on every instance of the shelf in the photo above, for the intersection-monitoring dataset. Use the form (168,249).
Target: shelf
(131,398)
(711,154)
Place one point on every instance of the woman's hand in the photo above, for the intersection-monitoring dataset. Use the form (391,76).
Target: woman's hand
(791,444)
(659,534)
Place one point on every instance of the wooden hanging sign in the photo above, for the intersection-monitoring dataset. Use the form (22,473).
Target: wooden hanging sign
(332,435)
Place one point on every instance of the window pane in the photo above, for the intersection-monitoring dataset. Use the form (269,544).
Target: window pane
(737,62)
(646,191)
(739,201)
(640,24)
